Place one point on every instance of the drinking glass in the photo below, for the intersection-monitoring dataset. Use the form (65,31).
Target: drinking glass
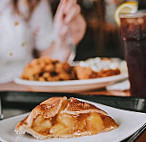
(133,32)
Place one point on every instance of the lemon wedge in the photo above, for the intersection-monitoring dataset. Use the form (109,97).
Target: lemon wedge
(125,8)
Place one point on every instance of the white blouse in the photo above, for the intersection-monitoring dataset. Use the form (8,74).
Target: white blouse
(18,38)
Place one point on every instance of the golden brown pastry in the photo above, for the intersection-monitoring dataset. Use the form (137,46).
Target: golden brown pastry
(63,118)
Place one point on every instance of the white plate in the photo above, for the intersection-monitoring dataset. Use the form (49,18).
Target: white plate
(123,85)
(128,121)
(72,85)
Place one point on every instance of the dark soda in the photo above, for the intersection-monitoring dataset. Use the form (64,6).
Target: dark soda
(133,32)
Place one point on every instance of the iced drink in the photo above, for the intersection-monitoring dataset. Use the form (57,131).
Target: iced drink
(133,32)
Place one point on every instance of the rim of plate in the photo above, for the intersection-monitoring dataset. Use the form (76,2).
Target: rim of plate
(71,82)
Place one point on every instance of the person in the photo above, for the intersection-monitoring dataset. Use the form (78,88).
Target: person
(26,25)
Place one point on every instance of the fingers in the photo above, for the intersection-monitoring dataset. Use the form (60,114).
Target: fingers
(60,10)
(67,11)
(70,4)
(72,1)
(72,13)
(72,10)
(68,20)
(63,31)
(77,29)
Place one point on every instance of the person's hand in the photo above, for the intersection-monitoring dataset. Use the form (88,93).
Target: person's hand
(69,21)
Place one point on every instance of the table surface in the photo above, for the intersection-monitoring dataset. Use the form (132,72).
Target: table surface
(11,86)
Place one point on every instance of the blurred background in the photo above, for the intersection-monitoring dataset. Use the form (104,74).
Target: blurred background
(102,37)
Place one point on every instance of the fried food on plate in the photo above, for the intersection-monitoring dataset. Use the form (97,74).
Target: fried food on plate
(46,69)
(88,73)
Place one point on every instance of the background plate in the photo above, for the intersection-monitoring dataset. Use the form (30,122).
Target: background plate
(73,85)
